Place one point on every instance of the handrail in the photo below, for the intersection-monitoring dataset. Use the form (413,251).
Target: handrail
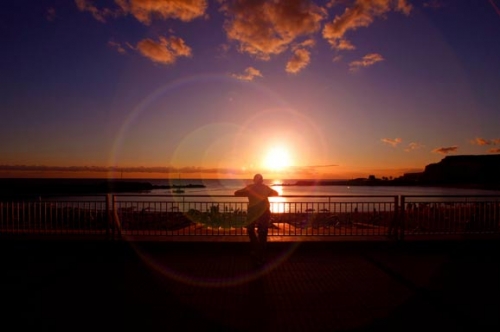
(326,216)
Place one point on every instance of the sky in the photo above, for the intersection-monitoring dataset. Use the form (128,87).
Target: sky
(292,89)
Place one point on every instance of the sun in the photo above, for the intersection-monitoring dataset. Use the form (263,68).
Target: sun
(277,158)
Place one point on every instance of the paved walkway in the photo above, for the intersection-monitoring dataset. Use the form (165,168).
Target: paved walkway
(313,286)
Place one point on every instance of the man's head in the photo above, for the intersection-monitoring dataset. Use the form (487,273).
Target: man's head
(257,179)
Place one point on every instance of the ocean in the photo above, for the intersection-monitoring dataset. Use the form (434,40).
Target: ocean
(228,186)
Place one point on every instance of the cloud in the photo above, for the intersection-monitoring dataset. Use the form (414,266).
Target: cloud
(266,28)
(301,57)
(145,10)
(413,146)
(393,142)
(117,46)
(368,60)
(116,169)
(98,14)
(361,14)
(494,150)
(249,74)
(337,58)
(166,51)
(445,150)
(483,141)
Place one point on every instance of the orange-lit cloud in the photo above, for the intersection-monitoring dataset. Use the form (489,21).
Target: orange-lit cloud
(165,51)
(300,59)
(98,14)
(393,142)
(368,60)
(146,10)
(445,150)
(483,141)
(361,14)
(266,28)
(259,28)
(249,74)
(413,146)
(494,150)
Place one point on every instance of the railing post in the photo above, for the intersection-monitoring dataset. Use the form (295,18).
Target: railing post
(116,219)
(393,226)
(402,219)
(109,223)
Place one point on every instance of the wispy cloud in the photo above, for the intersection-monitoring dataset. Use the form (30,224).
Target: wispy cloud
(98,14)
(165,51)
(249,74)
(494,150)
(483,141)
(368,60)
(445,150)
(145,10)
(361,14)
(117,46)
(413,146)
(392,141)
(116,169)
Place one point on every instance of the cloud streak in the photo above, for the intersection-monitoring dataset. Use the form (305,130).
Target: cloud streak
(361,14)
(413,146)
(392,142)
(249,74)
(367,61)
(165,51)
(445,150)
(483,141)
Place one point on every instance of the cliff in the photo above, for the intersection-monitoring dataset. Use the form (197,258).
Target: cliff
(481,170)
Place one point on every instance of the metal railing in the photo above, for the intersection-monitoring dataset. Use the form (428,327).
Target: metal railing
(449,215)
(134,216)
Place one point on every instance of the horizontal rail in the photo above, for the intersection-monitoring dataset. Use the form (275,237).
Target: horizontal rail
(132,216)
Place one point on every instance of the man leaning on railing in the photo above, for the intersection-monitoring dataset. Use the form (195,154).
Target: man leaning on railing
(259,215)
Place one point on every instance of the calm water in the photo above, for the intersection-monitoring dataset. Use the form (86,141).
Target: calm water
(227,187)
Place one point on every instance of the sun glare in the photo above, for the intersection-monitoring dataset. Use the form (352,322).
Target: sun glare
(277,159)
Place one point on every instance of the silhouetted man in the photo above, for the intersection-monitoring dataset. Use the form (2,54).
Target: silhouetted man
(258,215)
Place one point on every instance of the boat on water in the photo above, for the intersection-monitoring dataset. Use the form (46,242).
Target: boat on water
(178,191)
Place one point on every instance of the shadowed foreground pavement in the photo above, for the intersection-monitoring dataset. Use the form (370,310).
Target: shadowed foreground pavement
(358,286)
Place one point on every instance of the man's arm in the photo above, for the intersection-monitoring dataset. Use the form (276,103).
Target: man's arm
(242,192)
(273,192)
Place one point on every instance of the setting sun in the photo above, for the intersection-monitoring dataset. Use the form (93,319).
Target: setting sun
(277,158)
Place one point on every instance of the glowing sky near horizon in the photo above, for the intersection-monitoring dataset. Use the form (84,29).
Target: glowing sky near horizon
(229,88)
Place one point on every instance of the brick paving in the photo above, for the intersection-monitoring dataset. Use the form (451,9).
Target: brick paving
(306,286)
